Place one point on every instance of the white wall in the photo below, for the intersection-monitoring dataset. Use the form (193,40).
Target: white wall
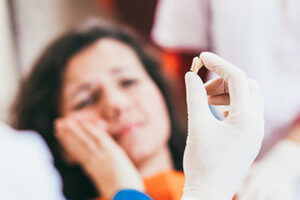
(8,71)
(40,21)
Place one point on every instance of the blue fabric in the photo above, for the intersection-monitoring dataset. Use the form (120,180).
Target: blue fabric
(129,194)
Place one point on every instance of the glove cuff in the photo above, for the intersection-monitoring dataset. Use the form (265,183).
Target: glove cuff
(200,192)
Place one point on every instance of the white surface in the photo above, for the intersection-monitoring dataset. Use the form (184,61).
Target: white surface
(26,168)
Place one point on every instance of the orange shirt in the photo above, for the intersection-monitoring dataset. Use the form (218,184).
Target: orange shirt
(166,185)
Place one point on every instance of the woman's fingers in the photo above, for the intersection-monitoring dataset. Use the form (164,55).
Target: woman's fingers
(63,136)
(74,143)
(73,136)
(88,131)
(95,130)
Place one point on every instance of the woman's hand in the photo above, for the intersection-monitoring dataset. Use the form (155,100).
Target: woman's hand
(85,141)
(219,153)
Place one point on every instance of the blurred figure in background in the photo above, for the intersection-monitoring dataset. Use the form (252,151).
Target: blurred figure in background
(262,37)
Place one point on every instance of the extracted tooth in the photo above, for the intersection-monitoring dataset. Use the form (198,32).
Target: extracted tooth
(193,67)
(196,65)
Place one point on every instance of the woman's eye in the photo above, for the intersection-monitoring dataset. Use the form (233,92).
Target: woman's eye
(87,102)
(128,83)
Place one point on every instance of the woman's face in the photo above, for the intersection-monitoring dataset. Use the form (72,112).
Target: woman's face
(107,80)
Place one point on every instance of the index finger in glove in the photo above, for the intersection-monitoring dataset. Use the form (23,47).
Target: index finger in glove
(197,104)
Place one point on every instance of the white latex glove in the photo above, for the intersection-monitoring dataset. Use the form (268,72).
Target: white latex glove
(219,153)
(275,176)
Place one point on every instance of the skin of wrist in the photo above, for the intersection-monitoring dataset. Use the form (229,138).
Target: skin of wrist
(109,183)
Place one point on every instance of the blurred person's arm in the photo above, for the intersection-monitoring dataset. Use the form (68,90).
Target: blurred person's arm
(26,170)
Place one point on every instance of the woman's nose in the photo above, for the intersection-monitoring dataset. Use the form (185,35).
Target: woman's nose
(114,104)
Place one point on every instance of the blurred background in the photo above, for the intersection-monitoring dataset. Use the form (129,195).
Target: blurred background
(261,37)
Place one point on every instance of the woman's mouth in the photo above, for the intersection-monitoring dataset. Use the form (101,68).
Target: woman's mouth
(127,130)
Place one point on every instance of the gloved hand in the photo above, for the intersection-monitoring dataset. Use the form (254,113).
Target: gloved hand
(273,178)
(218,154)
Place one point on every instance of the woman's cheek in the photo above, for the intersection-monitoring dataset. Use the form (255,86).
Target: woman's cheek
(160,118)
(157,130)
(145,141)
(140,151)
(135,145)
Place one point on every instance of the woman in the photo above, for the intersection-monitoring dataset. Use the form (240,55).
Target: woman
(101,73)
